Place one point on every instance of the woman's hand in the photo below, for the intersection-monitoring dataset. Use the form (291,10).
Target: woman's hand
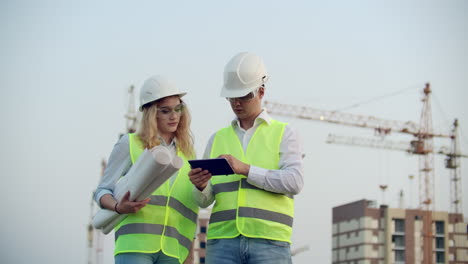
(199,178)
(125,206)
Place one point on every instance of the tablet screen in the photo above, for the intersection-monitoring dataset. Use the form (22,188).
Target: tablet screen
(218,166)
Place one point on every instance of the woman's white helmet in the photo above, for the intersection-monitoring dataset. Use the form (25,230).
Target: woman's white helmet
(155,88)
(244,73)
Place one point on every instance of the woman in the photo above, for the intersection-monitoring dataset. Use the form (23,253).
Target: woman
(159,229)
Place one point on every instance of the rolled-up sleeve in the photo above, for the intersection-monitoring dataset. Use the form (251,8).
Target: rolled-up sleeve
(288,179)
(118,164)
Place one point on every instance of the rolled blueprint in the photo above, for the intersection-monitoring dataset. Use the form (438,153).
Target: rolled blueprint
(175,165)
(149,172)
(145,170)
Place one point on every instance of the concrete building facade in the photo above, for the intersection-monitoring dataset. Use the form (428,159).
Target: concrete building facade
(365,234)
(197,254)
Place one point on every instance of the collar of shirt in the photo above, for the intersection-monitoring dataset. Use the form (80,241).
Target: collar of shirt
(262,117)
(163,142)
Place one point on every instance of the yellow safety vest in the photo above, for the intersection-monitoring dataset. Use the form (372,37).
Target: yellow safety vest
(241,208)
(168,222)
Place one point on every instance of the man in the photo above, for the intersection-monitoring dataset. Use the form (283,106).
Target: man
(251,221)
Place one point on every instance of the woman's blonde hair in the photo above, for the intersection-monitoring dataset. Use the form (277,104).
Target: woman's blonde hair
(148,131)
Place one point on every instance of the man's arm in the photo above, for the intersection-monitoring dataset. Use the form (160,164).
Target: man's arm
(288,179)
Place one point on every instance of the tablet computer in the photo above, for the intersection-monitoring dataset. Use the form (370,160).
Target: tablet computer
(218,166)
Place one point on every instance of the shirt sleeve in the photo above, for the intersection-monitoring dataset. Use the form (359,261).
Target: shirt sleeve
(288,179)
(206,197)
(118,165)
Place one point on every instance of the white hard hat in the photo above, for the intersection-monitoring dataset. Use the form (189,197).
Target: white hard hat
(155,88)
(243,74)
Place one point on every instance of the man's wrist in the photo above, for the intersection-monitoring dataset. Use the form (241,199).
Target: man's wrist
(246,170)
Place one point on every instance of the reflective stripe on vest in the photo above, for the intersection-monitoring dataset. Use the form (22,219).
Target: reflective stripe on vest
(168,222)
(175,204)
(233,186)
(154,229)
(242,208)
(251,212)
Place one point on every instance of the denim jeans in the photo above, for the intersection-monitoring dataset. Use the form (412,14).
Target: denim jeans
(144,258)
(245,250)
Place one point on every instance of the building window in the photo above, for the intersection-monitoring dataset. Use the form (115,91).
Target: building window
(440,257)
(202,259)
(202,244)
(203,229)
(400,256)
(399,225)
(440,243)
(399,241)
(439,225)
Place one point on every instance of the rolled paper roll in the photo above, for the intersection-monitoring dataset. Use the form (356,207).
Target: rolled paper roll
(177,162)
(152,186)
(145,169)
(107,220)
(106,229)
(149,172)
(140,175)
(163,176)
(158,181)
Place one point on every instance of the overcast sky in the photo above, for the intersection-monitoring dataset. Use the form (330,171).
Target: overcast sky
(66,66)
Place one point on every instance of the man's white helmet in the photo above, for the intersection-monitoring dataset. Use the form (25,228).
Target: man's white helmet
(243,74)
(155,88)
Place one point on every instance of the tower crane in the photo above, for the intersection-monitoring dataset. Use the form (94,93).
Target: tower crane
(422,132)
(453,163)
(131,115)
(95,239)
(452,157)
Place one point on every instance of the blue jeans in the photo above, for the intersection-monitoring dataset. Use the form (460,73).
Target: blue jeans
(245,250)
(144,258)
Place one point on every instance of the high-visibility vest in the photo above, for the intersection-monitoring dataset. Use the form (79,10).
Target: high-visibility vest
(241,208)
(168,222)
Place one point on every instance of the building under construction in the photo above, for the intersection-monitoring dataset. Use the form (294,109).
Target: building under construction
(198,252)
(366,234)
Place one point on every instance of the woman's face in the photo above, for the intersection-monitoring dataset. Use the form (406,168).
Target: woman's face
(169,113)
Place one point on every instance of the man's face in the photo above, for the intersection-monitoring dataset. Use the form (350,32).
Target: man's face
(247,106)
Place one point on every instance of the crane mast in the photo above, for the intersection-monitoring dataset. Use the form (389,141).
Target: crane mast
(131,115)
(426,160)
(95,238)
(452,162)
(426,173)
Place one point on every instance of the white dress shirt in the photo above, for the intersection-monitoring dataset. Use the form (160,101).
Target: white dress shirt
(288,179)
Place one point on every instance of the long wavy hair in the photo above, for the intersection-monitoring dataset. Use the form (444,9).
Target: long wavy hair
(148,131)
